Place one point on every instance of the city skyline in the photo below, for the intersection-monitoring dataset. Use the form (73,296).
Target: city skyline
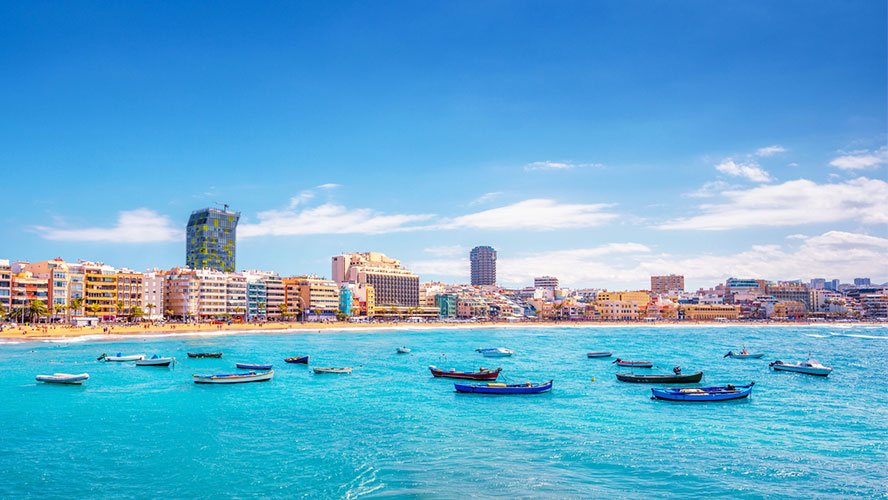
(597,164)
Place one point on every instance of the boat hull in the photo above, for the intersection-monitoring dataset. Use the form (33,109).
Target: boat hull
(63,378)
(235,378)
(502,389)
(131,357)
(332,370)
(703,394)
(479,375)
(599,354)
(403,350)
(690,378)
(300,359)
(248,366)
(154,362)
(204,354)
(820,372)
(746,356)
(636,364)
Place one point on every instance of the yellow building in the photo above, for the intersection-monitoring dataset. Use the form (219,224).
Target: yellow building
(316,295)
(129,291)
(617,310)
(709,312)
(641,297)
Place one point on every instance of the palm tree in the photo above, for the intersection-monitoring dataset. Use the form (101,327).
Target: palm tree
(59,309)
(137,312)
(283,309)
(94,308)
(75,305)
(261,309)
(151,308)
(2,310)
(169,313)
(119,307)
(37,309)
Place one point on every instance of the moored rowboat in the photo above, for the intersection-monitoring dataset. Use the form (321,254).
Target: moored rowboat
(494,388)
(677,378)
(154,361)
(233,378)
(252,366)
(809,366)
(403,350)
(331,370)
(298,359)
(634,364)
(121,357)
(496,352)
(63,378)
(599,354)
(742,355)
(481,374)
(722,393)
(204,354)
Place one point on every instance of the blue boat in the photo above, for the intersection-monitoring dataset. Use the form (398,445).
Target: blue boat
(297,359)
(720,393)
(494,388)
(251,366)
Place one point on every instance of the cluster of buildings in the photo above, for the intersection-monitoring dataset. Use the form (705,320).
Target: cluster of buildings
(372,286)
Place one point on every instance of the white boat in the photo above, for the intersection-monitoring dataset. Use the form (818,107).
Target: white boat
(233,378)
(809,366)
(63,378)
(154,361)
(121,357)
(331,370)
(496,352)
(403,350)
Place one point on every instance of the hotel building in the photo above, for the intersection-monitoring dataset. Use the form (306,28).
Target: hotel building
(311,295)
(394,285)
(152,294)
(545,282)
(666,284)
(129,292)
(5,285)
(483,266)
(211,239)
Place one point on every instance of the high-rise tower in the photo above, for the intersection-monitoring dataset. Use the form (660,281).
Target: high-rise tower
(211,239)
(483,259)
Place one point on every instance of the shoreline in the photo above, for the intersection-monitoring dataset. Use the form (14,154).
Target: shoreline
(55,333)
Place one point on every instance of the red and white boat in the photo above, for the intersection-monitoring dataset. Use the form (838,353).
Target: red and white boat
(634,364)
(481,374)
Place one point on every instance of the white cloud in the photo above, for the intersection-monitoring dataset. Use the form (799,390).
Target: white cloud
(555,165)
(534,214)
(446,250)
(749,170)
(301,198)
(133,226)
(770,150)
(329,185)
(630,265)
(857,160)
(328,219)
(793,203)
(484,198)
(709,189)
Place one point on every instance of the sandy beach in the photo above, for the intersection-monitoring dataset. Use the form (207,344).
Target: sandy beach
(55,332)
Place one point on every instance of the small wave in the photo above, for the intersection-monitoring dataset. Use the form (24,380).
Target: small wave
(816,336)
(858,336)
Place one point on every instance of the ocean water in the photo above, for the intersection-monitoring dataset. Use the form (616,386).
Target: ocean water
(390,430)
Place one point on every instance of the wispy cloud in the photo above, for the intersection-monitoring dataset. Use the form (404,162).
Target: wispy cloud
(301,198)
(133,226)
(861,159)
(770,150)
(793,203)
(556,165)
(709,189)
(535,214)
(750,170)
(328,186)
(329,219)
(484,198)
(446,250)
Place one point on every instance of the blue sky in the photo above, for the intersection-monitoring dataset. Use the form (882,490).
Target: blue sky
(596,141)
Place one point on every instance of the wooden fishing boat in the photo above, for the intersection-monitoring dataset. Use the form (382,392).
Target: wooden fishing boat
(298,359)
(496,352)
(481,374)
(634,364)
(809,367)
(252,366)
(233,378)
(154,361)
(204,354)
(320,370)
(121,357)
(599,354)
(720,393)
(63,378)
(742,355)
(675,378)
(495,388)
(403,350)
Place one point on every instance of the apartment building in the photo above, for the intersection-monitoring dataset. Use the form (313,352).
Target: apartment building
(668,283)
(393,284)
(5,286)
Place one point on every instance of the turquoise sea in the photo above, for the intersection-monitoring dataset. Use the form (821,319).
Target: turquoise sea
(390,430)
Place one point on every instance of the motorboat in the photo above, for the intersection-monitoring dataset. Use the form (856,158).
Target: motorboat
(481,374)
(233,378)
(63,378)
(720,393)
(495,352)
(204,354)
(675,378)
(403,350)
(496,388)
(809,366)
(742,355)
(154,361)
(121,357)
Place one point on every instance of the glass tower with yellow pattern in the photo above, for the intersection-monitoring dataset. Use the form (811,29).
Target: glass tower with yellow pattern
(211,239)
